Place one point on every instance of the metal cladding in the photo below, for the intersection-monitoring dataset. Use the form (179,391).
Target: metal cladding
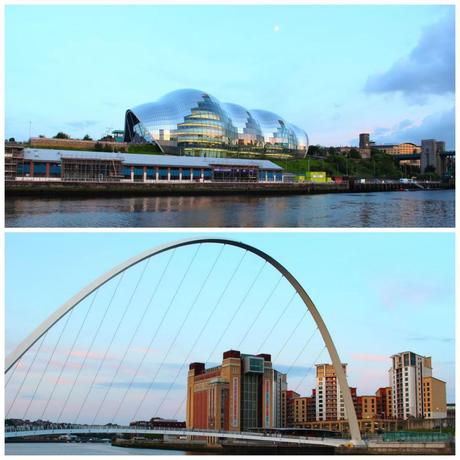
(193,118)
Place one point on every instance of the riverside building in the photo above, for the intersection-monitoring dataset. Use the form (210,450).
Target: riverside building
(193,122)
(329,399)
(416,393)
(88,166)
(238,395)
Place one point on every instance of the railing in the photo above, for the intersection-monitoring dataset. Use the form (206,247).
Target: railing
(67,428)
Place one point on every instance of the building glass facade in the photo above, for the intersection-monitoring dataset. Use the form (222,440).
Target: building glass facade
(192,122)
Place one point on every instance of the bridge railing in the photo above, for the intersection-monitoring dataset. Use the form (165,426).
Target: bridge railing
(121,428)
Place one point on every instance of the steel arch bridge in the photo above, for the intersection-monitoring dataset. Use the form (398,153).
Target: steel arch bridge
(33,337)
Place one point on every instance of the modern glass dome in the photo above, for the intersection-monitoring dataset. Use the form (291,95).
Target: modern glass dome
(248,129)
(193,120)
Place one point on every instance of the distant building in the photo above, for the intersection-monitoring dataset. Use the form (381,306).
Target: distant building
(406,148)
(364,141)
(384,401)
(287,407)
(415,392)
(304,409)
(431,151)
(279,387)
(434,398)
(368,405)
(329,398)
(235,396)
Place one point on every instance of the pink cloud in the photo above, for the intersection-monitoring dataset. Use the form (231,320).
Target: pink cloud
(64,381)
(89,354)
(395,293)
(368,380)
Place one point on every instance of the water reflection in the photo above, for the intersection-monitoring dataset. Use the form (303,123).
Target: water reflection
(387,209)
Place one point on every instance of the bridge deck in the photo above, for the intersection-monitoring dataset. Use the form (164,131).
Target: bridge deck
(177,432)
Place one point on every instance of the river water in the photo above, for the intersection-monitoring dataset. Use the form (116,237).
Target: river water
(429,208)
(38,448)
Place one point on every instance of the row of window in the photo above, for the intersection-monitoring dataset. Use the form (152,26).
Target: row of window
(40,170)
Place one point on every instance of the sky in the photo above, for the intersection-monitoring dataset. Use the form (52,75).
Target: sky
(378,293)
(333,70)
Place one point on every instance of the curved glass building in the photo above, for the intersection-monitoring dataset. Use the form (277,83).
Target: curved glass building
(192,122)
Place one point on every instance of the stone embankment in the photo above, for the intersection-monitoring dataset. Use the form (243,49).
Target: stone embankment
(400,448)
(236,448)
(92,189)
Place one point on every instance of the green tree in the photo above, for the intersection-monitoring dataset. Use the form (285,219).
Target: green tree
(332,151)
(354,153)
(87,138)
(316,150)
(61,135)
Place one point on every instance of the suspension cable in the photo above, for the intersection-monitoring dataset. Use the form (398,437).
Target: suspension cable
(147,350)
(66,322)
(200,334)
(260,311)
(191,349)
(236,311)
(277,321)
(289,337)
(69,354)
(311,367)
(120,279)
(93,340)
(12,373)
(183,323)
(169,306)
(301,351)
(120,322)
(26,375)
(130,341)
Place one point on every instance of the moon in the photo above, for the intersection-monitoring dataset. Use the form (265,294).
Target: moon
(276,28)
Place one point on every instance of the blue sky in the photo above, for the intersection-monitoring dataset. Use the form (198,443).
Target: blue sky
(333,70)
(379,294)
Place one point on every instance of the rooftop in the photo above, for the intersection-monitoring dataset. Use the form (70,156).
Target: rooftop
(139,159)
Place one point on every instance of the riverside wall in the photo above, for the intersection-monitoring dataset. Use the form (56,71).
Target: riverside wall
(92,189)
(235,448)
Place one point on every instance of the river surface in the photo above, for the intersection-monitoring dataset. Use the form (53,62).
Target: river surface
(39,448)
(429,208)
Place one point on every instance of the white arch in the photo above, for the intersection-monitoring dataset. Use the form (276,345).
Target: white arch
(35,335)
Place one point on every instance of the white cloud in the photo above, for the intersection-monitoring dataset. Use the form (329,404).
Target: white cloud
(428,69)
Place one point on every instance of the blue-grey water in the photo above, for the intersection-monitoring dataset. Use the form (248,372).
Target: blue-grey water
(430,208)
(39,448)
